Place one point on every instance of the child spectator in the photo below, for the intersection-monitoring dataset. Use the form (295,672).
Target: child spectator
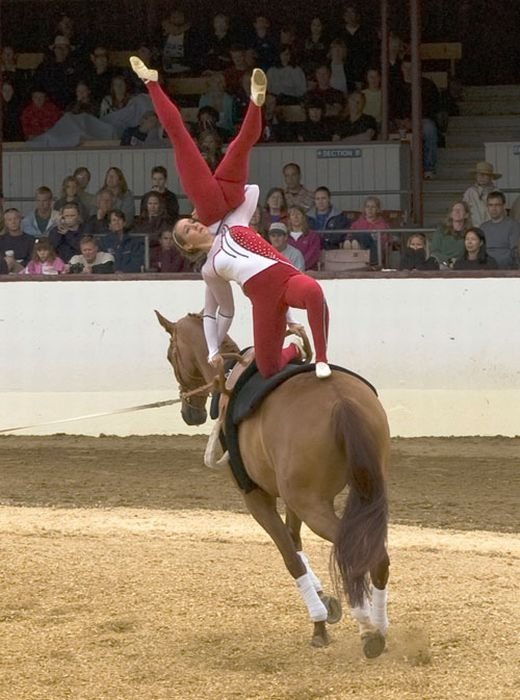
(84,103)
(476,194)
(301,237)
(475,255)
(278,236)
(70,194)
(448,240)
(39,115)
(44,260)
(166,257)
(414,255)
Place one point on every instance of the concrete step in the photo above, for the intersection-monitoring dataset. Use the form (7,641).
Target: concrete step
(463,154)
(497,106)
(488,92)
(479,137)
(484,122)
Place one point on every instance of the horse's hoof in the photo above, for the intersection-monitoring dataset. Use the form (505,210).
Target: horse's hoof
(373,644)
(320,641)
(334,610)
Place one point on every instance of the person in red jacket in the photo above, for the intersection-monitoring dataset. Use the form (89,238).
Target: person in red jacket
(39,115)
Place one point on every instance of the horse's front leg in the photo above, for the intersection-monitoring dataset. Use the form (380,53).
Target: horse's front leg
(262,507)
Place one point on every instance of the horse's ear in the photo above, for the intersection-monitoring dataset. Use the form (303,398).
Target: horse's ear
(167,325)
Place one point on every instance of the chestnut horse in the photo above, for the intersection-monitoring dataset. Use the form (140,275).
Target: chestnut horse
(308,440)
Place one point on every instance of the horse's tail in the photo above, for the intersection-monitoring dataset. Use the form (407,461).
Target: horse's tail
(360,543)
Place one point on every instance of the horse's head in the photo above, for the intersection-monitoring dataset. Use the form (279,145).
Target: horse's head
(187,354)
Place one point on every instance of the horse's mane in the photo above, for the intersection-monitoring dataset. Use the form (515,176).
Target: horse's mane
(228,344)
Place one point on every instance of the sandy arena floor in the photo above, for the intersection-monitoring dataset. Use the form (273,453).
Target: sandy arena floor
(129,571)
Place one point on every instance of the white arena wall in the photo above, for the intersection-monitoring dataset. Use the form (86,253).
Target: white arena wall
(443,353)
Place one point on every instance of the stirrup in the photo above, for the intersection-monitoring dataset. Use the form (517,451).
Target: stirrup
(258,87)
(146,74)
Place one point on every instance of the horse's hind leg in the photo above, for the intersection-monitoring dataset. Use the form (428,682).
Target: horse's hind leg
(262,507)
(333,605)
(379,577)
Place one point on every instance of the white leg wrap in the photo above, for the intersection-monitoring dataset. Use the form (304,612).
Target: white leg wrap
(213,447)
(317,610)
(378,613)
(315,580)
(362,615)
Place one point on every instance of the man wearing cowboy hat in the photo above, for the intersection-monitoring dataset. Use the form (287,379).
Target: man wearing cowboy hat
(476,194)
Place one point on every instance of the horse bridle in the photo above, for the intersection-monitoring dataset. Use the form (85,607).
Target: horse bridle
(184,394)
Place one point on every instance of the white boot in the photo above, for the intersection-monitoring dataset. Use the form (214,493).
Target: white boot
(146,74)
(258,87)
(322,370)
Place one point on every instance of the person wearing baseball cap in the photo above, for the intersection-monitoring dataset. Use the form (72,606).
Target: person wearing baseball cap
(476,194)
(278,235)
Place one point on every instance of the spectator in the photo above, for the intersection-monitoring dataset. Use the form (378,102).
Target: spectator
(315,127)
(448,240)
(182,51)
(401,113)
(286,80)
(217,97)
(91,260)
(279,238)
(100,73)
(360,42)
(475,255)
(275,207)
(39,115)
(236,70)
(84,103)
(65,236)
(301,237)
(263,43)
(334,99)
(414,256)
(159,177)
(65,27)
(123,198)
(153,218)
(15,240)
(128,252)
(340,75)
(315,46)
(357,127)
(324,218)
(58,74)
(373,220)
(166,257)
(98,223)
(210,146)
(372,93)
(11,109)
(476,194)
(218,44)
(9,71)
(502,233)
(43,217)
(289,36)
(70,193)
(88,200)
(295,192)
(207,120)
(44,260)
(146,133)
(256,222)
(118,97)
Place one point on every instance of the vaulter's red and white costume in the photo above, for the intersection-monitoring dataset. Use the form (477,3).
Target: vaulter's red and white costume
(226,204)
